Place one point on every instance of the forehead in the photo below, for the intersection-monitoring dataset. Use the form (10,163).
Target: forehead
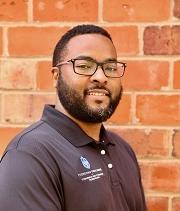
(96,46)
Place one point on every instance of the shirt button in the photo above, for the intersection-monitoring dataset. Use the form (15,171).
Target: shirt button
(110,165)
(103,152)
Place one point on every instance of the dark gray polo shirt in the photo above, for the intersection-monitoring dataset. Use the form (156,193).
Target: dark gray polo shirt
(54,166)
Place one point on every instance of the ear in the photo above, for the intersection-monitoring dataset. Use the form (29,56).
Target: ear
(55,72)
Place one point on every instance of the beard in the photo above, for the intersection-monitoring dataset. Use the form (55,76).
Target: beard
(76,106)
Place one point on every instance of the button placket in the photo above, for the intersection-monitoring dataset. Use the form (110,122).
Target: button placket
(110,165)
(111,170)
(103,152)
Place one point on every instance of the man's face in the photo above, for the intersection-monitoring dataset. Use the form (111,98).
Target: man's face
(89,98)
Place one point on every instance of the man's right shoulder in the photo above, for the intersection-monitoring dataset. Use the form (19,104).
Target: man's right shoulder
(31,137)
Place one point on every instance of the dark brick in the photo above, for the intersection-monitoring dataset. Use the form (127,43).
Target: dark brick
(163,40)
(157,40)
(177,8)
(176,39)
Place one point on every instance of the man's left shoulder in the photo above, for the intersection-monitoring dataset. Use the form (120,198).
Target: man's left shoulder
(120,142)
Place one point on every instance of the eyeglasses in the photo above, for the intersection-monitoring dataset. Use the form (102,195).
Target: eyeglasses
(87,67)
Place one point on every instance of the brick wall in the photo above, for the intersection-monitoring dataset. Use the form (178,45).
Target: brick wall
(147,36)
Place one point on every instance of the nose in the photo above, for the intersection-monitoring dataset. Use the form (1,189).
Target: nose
(99,76)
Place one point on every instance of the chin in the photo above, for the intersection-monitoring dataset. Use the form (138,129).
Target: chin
(98,104)
(98,107)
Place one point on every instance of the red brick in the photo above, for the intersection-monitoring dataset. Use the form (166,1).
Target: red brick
(157,40)
(13,10)
(161,177)
(177,75)
(6,134)
(122,114)
(176,204)
(1,42)
(176,143)
(17,74)
(177,8)
(28,107)
(175,40)
(125,39)
(158,109)
(157,203)
(146,143)
(133,10)
(82,10)
(30,41)
(163,40)
(146,75)
(44,76)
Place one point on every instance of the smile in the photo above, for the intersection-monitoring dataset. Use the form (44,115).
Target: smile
(96,94)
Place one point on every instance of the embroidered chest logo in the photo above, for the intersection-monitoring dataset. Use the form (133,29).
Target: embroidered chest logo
(85,162)
(91,174)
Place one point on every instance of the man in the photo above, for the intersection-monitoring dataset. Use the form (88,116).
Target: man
(68,161)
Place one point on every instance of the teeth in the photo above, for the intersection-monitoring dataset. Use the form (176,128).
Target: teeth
(97,94)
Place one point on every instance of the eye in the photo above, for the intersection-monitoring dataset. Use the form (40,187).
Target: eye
(83,66)
(111,67)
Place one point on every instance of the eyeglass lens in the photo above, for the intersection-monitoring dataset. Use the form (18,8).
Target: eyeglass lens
(87,67)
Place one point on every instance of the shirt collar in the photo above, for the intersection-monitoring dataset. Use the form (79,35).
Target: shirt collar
(69,129)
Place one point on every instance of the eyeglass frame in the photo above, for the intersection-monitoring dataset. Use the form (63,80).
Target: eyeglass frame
(97,65)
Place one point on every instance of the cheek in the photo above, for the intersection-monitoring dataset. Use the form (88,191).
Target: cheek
(76,83)
(116,87)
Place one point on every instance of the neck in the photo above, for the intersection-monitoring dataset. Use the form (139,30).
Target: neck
(91,129)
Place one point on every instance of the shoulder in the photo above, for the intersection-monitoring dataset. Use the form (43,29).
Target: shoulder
(33,144)
(121,144)
(29,135)
(36,135)
(36,141)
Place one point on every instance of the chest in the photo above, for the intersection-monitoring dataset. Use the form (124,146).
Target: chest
(98,179)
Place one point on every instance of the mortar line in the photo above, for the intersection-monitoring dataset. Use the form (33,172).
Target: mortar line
(141,40)
(160,194)
(100,11)
(148,92)
(142,127)
(103,24)
(171,8)
(170,203)
(5,42)
(171,74)
(30,11)
(133,108)
(167,58)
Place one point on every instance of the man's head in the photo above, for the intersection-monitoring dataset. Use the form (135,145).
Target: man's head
(87,74)
(78,30)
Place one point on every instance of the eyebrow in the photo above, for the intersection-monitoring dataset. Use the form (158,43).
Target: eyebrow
(91,59)
(110,60)
(85,57)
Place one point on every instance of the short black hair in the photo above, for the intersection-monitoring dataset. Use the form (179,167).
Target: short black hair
(77,30)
